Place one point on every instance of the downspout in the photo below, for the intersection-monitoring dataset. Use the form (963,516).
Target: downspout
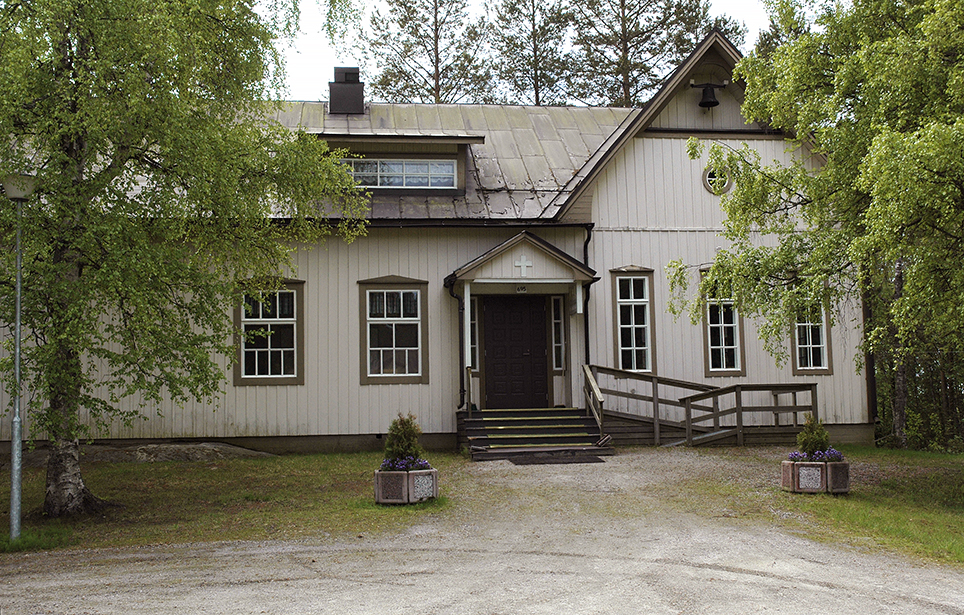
(450,283)
(585,294)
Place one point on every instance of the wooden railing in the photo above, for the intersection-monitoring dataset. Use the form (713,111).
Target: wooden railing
(652,402)
(740,408)
(594,397)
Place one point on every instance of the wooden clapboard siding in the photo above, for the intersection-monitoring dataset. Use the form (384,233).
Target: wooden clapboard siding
(679,344)
(332,401)
(650,208)
(683,110)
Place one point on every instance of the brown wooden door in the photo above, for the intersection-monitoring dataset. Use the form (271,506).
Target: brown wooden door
(516,360)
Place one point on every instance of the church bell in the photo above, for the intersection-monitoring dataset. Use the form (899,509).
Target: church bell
(709,98)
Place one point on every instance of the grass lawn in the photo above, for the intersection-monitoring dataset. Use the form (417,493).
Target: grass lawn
(912,502)
(907,502)
(292,496)
(904,502)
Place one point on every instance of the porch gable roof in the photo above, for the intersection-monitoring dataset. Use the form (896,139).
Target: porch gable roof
(509,262)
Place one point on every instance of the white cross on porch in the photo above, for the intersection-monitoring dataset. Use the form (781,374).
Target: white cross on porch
(522,263)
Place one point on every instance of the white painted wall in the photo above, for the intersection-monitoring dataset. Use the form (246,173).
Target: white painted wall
(332,401)
(650,208)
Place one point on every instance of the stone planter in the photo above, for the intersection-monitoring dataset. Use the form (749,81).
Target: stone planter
(838,476)
(405,487)
(787,476)
(810,477)
(815,476)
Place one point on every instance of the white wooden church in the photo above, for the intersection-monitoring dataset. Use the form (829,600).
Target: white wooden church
(515,259)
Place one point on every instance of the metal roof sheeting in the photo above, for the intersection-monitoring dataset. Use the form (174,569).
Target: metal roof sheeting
(521,158)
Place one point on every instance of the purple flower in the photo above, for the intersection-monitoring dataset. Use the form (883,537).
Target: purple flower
(404,464)
(831,454)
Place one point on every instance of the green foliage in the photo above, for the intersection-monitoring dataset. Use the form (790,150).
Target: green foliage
(402,438)
(159,175)
(872,205)
(624,50)
(813,437)
(935,404)
(428,51)
(529,39)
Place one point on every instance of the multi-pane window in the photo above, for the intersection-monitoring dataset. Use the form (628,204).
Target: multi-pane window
(270,341)
(558,334)
(811,341)
(632,307)
(474,331)
(398,173)
(723,336)
(394,333)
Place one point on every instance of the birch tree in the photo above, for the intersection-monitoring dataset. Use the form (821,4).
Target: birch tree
(872,92)
(158,175)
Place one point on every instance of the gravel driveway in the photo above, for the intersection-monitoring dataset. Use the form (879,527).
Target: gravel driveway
(616,537)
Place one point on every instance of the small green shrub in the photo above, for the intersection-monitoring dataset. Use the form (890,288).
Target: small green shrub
(814,436)
(402,440)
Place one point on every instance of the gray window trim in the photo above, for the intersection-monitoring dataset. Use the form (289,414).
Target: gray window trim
(394,283)
(740,370)
(826,370)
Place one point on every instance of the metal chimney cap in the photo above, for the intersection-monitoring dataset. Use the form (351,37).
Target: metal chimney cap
(347,74)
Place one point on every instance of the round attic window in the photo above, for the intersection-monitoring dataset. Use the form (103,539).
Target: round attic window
(716,182)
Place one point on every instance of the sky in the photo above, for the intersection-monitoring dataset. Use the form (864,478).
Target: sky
(310,59)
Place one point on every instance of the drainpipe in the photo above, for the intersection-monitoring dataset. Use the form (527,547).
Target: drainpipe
(585,293)
(450,283)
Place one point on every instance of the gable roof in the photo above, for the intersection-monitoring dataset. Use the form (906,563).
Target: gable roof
(714,42)
(576,271)
(524,165)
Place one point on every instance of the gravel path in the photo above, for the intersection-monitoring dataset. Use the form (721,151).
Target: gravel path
(616,537)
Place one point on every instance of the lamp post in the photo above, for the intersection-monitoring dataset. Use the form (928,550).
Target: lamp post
(18,189)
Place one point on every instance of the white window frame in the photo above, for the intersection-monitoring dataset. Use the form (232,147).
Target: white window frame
(802,340)
(404,360)
(474,332)
(732,345)
(275,362)
(404,173)
(632,336)
(558,333)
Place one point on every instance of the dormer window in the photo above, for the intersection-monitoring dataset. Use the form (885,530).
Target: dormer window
(403,173)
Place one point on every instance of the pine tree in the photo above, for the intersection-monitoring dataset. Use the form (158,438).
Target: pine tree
(428,51)
(625,48)
(529,41)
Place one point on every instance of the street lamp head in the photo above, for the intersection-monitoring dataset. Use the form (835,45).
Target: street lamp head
(19,187)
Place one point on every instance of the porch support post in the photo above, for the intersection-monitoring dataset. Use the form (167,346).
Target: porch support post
(467,326)
(578,298)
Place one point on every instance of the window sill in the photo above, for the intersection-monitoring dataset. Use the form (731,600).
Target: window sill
(374,380)
(268,381)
